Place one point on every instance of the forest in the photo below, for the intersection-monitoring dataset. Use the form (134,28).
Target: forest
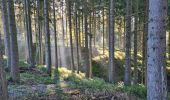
(84,49)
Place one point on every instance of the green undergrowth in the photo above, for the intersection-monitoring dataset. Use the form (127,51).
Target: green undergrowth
(78,81)
(97,84)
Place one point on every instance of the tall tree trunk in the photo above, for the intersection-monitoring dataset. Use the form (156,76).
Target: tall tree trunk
(144,53)
(111,69)
(94,27)
(29,33)
(103,31)
(39,33)
(63,29)
(156,55)
(55,37)
(127,78)
(13,42)
(77,38)
(47,38)
(70,31)
(90,45)
(87,63)
(3,82)
(6,32)
(136,43)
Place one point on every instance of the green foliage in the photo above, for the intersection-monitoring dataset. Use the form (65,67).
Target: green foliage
(137,90)
(36,79)
(97,84)
(98,70)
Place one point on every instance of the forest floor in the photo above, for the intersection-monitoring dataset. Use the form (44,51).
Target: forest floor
(65,85)
(36,85)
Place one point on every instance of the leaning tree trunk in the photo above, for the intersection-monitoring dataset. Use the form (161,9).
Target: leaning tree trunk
(111,69)
(156,55)
(47,38)
(3,82)
(13,41)
(127,79)
(6,32)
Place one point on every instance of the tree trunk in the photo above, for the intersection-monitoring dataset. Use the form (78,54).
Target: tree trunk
(144,53)
(13,42)
(111,68)
(136,44)
(40,56)
(103,31)
(55,37)
(90,46)
(127,79)
(156,55)
(6,32)
(29,33)
(77,38)
(3,82)
(47,38)
(70,31)
(87,63)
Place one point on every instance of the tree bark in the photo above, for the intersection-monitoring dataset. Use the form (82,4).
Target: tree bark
(13,42)
(29,33)
(103,31)
(144,53)
(87,63)
(70,31)
(3,82)
(77,37)
(156,55)
(111,69)
(127,79)
(136,44)
(55,36)
(47,38)
(6,32)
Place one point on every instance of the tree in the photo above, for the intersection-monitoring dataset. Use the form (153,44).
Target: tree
(111,68)
(128,43)
(87,61)
(3,82)
(77,36)
(13,41)
(70,31)
(40,56)
(136,43)
(6,32)
(29,33)
(156,54)
(103,29)
(55,36)
(47,38)
(145,34)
